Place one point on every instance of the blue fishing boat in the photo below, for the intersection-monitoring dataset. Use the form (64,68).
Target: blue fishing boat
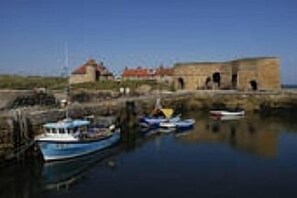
(70,138)
(157,117)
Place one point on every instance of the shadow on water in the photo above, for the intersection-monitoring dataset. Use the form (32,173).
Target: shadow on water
(21,180)
(32,177)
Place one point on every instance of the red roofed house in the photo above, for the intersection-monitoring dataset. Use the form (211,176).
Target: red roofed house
(90,72)
(165,75)
(160,74)
(138,74)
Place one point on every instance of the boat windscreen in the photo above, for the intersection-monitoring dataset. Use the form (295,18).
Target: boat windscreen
(167,112)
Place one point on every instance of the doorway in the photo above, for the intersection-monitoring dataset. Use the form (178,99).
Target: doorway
(254,85)
(97,75)
(216,78)
(181,83)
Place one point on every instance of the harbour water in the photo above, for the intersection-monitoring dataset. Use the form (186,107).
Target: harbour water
(255,156)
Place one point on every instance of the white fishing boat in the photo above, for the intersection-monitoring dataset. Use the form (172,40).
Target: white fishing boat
(70,138)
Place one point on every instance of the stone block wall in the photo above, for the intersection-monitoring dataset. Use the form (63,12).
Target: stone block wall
(244,79)
(78,78)
(264,71)
(90,73)
(194,75)
(268,75)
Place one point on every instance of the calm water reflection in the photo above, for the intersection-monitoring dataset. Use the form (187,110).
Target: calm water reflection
(249,157)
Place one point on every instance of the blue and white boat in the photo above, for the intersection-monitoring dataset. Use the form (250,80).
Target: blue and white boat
(180,124)
(159,116)
(72,138)
(150,121)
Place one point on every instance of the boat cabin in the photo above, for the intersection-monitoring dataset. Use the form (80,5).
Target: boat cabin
(66,127)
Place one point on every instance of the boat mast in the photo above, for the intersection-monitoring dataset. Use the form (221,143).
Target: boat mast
(67,89)
(159,88)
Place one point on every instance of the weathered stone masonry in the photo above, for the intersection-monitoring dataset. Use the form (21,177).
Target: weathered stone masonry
(244,74)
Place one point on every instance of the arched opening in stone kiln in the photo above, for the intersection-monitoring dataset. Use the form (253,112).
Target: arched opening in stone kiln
(254,85)
(216,78)
(181,83)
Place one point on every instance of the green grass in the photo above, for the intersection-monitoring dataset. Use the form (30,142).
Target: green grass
(58,83)
(31,82)
(116,85)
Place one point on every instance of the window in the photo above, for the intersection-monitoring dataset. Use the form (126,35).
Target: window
(62,131)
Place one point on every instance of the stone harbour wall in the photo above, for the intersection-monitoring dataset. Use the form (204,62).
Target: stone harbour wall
(181,101)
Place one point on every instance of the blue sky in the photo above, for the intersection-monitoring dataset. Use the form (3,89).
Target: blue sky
(135,33)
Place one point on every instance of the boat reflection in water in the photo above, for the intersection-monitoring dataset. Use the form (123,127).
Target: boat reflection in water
(60,175)
(228,117)
(249,134)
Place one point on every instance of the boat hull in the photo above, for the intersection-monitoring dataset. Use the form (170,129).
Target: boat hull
(60,150)
(155,122)
(181,124)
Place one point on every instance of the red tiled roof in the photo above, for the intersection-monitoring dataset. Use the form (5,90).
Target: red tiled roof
(164,71)
(144,72)
(80,70)
(99,67)
(139,72)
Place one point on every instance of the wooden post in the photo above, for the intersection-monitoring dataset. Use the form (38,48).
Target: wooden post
(128,123)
